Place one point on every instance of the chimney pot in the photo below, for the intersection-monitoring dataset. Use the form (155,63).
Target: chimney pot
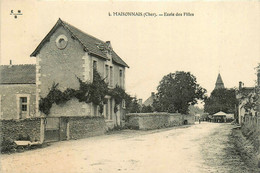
(240,85)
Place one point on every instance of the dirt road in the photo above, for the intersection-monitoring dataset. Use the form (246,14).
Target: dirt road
(192,149)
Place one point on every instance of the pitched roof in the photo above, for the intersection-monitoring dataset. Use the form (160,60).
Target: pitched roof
(89,43)
(219,83)
(18,74)
(219,79)
(150,100)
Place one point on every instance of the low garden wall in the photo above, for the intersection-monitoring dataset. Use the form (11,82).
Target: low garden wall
(148,121)
(83,127)
(24,128)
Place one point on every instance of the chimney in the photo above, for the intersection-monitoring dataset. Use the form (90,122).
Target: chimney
(140,101)
(109,44)
(10,65)
(240,85)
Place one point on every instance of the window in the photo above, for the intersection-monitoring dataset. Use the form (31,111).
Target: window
(106,107)
(107,74)
(111,108)
(23,101)
(111,76)
(23,108)
(23,105)
(95,110)
(94,65)
(61,41)
(123,103)
(121,78)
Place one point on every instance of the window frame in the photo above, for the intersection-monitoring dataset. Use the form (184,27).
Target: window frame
(19,106)
(111,75)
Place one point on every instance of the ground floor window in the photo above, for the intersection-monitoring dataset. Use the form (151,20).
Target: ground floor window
(108,109)
(23,101)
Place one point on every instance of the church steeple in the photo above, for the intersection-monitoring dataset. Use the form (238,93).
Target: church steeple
(219,83)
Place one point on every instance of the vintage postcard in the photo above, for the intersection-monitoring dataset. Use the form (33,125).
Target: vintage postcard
(129,86)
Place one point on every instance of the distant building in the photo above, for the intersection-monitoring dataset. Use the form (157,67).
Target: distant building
(219,83)
(246,97)
(149,101)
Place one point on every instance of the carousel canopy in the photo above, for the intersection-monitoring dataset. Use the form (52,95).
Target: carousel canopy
(220,114)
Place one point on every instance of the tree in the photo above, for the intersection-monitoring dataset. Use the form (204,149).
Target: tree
(132,105)
(147,109)
(221,100)
(176,91)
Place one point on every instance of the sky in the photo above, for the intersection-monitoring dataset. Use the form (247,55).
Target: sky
(221,37)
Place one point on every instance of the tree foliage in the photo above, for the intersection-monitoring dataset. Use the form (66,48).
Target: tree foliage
(176,91)
(133,105)
(147,109)
(221,100)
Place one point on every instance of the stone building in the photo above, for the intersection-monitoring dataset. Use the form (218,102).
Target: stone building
(17,91)
(67,53)
(249,101)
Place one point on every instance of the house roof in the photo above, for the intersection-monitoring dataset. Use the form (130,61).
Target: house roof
(18,74)
(89,43)
(150,100)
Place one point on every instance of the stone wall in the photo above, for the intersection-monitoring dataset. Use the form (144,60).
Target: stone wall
(27,127)
(83,127)
(251,130)
(190,119)
(148,121)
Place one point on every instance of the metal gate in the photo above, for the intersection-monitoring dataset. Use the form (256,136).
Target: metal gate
(55,129)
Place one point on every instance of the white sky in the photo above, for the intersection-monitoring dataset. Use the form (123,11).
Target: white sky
(221,34)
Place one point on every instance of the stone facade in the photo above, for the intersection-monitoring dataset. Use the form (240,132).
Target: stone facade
(148,121)
(10,103)
(75,56)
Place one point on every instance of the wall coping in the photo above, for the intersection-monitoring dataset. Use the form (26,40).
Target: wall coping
(25,119)
(153,114)
(86,117)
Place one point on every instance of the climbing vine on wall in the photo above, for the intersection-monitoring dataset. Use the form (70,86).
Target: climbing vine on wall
(119,95)
(94,92)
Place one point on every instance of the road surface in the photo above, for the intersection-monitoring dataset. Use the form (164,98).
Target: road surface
(189,149)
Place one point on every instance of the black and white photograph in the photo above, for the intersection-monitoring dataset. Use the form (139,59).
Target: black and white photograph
(142,86)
